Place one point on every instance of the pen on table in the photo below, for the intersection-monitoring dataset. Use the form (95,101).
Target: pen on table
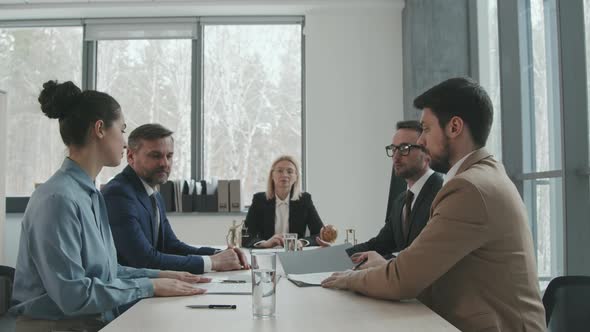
(360,263)
(212,306)
(228,281)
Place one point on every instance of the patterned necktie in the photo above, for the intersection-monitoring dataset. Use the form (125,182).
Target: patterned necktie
(407,211)
(156,218)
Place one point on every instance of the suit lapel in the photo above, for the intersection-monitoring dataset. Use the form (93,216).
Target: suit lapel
(421,196)
(398,209)
(476,157)
(143,198)
(269,218)
(294,215)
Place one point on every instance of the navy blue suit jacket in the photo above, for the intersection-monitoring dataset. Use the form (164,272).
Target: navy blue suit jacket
(131,219)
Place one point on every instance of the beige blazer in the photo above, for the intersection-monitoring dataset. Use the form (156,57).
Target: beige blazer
(473,264)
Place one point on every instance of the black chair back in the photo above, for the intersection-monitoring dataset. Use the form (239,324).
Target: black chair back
(567,304)
(6,280)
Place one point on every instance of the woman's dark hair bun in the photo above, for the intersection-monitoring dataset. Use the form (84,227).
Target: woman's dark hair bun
(57,100)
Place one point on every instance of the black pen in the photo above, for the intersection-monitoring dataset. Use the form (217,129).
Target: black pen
(212,306)
(360,263)
(233,281)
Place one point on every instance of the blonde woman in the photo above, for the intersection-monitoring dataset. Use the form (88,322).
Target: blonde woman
(283,208)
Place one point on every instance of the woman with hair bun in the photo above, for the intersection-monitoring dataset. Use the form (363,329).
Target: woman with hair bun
(67,276)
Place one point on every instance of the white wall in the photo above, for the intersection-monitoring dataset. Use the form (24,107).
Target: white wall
(3,102)
(354,97)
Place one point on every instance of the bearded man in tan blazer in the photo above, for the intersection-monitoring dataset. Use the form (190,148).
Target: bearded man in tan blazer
(473,264)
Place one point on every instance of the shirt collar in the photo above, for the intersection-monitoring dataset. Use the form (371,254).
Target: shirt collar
(285,201)
(78,174)
(148,189)
(453,171)
(417,186)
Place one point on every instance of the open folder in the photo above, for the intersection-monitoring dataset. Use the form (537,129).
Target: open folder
(330,259)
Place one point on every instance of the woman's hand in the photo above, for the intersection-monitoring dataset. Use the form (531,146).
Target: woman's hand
(172,287)
(183,276)
(276,240)
(322,243)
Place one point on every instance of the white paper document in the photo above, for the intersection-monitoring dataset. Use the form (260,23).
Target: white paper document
(309,279)
(226,288)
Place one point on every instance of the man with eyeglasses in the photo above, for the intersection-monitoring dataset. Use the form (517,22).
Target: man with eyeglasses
(474,263)
(410,208)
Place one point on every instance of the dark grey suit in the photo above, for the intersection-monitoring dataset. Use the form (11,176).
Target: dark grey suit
(390,238)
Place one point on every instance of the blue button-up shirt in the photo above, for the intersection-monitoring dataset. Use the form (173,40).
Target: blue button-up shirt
(67,261)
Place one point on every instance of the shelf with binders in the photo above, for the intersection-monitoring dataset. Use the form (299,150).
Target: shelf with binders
(214,196)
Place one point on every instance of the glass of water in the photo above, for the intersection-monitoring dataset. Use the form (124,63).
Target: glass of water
(264,267)
(290,241)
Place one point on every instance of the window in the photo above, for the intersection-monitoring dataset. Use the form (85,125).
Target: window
(545,130)
(542,139)
(489,68)
(30,57)
(251,100)
(151,80)
(229,88)
(546,213)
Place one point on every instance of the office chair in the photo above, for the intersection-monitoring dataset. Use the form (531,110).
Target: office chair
(567,304)
(6,279)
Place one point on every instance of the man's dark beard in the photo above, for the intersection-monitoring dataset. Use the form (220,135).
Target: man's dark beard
(441,166)
(409,173)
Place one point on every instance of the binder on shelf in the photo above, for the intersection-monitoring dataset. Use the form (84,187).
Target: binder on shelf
(196,198)
(235,195)
(209,203)
(167,192)
(223,196)
(187,201)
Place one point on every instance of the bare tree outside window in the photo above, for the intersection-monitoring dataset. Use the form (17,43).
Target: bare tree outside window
(151,80)
(546,131)
(29,57)
(489,70)
(252,100)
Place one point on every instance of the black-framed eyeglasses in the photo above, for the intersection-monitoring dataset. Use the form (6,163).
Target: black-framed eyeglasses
(404,149)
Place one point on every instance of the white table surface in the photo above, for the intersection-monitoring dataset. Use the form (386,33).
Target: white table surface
(297,309)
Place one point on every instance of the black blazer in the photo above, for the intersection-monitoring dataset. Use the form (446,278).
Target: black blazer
(261,219)
(390,238)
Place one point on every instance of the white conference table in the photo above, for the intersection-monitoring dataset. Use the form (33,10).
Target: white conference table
(298,309)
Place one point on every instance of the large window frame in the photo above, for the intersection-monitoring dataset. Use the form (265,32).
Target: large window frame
(565,58)
(166,28)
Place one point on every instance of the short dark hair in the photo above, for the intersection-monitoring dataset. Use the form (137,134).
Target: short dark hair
(148,132)
(410,124)
(77,110)
(462,97)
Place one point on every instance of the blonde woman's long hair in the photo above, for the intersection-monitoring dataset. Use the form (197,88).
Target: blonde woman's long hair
(295,189)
